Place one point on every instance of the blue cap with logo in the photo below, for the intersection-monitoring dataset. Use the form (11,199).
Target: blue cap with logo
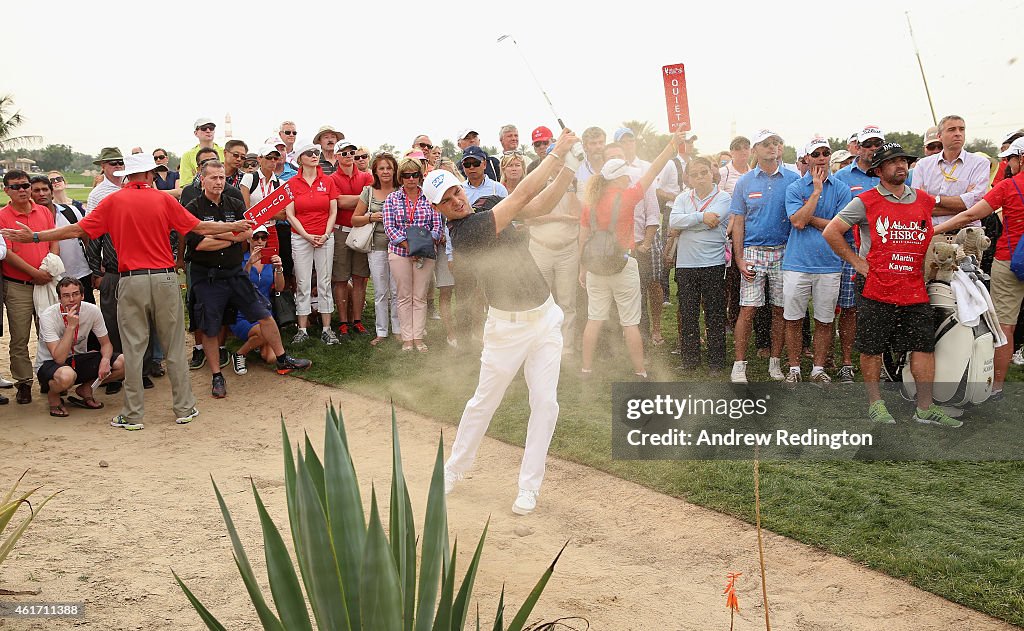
(473,151)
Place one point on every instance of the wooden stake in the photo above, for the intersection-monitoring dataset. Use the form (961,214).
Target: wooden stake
(760,542)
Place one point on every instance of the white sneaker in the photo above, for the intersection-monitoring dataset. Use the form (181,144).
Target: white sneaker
(793,377)
(450,478)
(775,369)
(739,372)
(188,418)
(1018,359)
(525,503)
(10,384)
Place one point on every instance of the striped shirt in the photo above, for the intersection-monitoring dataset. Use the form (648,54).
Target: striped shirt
(397,213)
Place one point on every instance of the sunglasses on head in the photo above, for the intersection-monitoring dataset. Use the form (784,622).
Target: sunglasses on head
(471,163)
(115,163)
(426,146)
(206,127)
(871,143)
(289,133)
(409,175)
(20,187)
(56,180)
(817,153)
(364,156)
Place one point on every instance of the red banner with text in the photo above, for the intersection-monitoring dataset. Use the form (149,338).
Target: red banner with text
(273,203)
(675,97)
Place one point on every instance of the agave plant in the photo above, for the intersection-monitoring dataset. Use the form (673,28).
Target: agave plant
(9,507)
(354,577)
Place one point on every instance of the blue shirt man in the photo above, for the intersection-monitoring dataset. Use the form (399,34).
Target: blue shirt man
(807,251)
(478,183)
(761,199)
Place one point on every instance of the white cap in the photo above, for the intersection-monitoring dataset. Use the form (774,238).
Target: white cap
(614,168)
(136,163)
(267,149)
(345,143)
(762,135)
(302,146)
(275,141)
(1013,135)
(871,131)
(840,156)
(465,132)
(815,144)
(1016,148)
(203,121)
(260,228)
(437,182)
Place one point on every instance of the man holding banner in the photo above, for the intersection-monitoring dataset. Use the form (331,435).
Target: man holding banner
(218,280)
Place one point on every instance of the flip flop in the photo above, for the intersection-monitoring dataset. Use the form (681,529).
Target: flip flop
(58,411)
(86,404)
(377,340)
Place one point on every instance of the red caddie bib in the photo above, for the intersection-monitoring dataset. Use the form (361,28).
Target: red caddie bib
(900,235)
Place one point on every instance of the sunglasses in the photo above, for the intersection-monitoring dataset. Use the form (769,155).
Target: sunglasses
(250,164)
(513,152)
(272,156)
(820,152)
(409,175)
(159,157)
(20,187)
(310,154)
(207,127)
(236,155)
(424,145)
(871,144)
(345,154)
(289,133)
(259,237)
(56,180)
(115,163)
(365,156)
(935,146)
(471,163)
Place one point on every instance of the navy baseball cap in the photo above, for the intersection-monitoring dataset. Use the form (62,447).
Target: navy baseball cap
(473,151)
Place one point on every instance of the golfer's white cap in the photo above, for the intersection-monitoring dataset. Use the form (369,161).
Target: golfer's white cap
(1016,148)
(816,143)
(438,181)
(614,168)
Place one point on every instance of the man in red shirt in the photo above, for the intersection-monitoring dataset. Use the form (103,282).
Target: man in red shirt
(21,273)
(139,220)
(893,309)
(349,264)
(1007,289)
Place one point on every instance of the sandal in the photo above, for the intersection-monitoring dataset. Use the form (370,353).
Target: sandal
(86,403)
(407,347)
(421,347)
(377,340)
(657,341)
(58,411)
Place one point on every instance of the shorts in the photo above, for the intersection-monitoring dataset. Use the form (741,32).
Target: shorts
(799,288)
(347,262)
(442,273)
(241,328)
(1007,292)
(86,367)
(767,263)
(881,325)
(623,288)
(213,296)
(847,294)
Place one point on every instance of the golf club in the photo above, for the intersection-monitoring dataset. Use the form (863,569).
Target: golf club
(577,149)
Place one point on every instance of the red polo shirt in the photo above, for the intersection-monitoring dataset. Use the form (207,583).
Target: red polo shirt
(139,220)
(37,219)
(624,230)
(313,201)
(349,185)
(1006,196)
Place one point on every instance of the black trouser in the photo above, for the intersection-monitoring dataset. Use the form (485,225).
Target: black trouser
(696,285)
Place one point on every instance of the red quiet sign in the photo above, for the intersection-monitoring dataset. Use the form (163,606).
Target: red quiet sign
(675,97)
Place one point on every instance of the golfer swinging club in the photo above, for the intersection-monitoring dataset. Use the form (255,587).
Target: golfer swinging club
(523,322)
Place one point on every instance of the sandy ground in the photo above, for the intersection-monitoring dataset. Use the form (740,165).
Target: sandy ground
(636,559)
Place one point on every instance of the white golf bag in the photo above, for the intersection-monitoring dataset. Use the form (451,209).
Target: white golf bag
(964,355)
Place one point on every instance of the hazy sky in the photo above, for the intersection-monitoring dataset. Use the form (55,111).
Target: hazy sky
(133,74)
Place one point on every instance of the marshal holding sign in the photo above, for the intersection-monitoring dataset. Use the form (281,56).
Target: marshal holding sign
(675,97)
(272,204)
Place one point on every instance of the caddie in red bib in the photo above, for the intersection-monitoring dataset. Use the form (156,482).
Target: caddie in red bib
(893,311)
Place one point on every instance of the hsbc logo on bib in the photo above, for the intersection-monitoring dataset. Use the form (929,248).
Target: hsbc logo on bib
(900,232)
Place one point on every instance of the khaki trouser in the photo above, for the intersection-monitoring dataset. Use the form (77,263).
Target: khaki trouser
(153,298)
(412,283)
(20,316)
(561,270)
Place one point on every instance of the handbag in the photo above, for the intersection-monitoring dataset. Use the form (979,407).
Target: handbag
(1017,256)
(360,239)
(283,305)
(421,242)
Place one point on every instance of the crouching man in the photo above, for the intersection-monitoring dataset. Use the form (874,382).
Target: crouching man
(893,308)
(66,359)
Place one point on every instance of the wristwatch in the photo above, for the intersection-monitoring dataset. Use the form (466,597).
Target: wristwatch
(35,237)
(938,200)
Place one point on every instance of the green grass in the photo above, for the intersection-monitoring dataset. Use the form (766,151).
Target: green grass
(950,528)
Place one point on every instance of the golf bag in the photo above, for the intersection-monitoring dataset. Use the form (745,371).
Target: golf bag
(964,355)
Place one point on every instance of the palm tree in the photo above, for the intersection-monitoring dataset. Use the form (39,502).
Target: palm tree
(649,142)
(8,122)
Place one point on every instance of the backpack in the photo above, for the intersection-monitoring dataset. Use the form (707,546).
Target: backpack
(602,254)
(1017,256)
(72,217)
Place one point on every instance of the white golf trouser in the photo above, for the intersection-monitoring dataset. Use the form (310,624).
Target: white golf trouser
(385,293)
(507,346)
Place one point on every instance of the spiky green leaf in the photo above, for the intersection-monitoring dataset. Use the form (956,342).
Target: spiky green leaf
(402,529)
(346,517)
(284,583)
(204,614)
(434,545)
(443,619)
(461,607)
(519,621)
(380,592)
